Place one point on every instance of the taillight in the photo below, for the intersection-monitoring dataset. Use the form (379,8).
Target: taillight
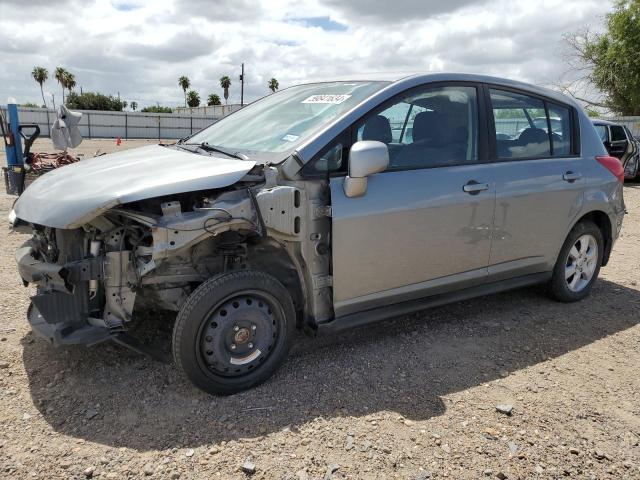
(613,165)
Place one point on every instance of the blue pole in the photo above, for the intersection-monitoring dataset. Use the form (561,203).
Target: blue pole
(14,152)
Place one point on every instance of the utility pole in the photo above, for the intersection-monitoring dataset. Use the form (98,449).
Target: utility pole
(242,86)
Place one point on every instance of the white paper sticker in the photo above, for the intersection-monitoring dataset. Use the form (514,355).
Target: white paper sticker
(290,138)
(331,99)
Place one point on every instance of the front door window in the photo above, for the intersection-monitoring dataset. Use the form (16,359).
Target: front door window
(431,127)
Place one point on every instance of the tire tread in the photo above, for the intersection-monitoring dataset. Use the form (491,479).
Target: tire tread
(209,289)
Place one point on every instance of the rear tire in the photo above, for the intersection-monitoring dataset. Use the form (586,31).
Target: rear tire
(578,263)
(234,331)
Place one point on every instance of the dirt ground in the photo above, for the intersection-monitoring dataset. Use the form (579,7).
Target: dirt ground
(87,149)
(410,398)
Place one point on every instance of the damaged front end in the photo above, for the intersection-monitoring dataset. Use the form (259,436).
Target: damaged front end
(148,254)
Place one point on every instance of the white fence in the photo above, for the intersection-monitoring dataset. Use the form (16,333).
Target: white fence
(216,111)
(102,124)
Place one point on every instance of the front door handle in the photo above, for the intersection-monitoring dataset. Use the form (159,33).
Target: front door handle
(473,188)
(571,176)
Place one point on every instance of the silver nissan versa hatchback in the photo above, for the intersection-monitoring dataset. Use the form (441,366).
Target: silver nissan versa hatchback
(324,206)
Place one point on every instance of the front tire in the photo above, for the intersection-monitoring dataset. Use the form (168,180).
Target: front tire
(234,331)
(578,263)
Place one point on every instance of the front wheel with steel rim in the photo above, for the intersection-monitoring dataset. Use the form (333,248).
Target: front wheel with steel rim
(578,264)
(234,331)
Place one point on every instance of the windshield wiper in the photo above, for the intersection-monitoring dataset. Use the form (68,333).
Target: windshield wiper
(210,148)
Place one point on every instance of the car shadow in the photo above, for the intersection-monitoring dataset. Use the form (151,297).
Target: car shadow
(110,395)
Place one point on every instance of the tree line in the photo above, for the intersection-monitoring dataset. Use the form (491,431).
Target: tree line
(98,101)
(192,97)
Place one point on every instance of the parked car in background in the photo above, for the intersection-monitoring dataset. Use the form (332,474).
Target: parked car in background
(304,209)
(620,143)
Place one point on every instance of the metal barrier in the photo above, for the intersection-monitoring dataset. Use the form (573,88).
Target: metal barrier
(127,125)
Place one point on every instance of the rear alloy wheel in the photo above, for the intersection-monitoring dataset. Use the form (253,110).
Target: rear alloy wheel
(234,331)
(581,263)
(578,264)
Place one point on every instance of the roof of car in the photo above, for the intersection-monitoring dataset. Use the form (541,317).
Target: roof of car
(413,78)
(597,121)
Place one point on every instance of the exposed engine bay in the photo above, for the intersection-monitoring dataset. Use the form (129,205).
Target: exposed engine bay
(151,254)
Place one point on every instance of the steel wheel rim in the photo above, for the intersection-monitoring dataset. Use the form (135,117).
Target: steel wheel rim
(581,263)
(239,333)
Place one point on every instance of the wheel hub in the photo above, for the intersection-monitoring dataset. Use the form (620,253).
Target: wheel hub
(242,335)
(581,263)
(238,334)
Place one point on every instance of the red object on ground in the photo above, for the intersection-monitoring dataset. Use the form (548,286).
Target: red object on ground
(118,141)
(614,165)
(43,162)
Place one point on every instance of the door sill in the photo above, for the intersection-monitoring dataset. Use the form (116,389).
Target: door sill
(366,317)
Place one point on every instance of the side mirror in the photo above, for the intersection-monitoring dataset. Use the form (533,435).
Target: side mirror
(365,158)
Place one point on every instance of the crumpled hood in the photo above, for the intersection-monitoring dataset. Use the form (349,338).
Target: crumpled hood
(70,196)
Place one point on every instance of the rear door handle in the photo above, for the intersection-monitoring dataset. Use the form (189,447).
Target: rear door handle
(473,188)
(571,176)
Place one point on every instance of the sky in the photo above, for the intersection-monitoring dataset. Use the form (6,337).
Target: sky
(139,48)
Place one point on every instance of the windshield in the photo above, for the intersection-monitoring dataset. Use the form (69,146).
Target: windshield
(279,122)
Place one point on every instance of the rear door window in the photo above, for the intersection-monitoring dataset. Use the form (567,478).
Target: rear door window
(529,127)
(521,125)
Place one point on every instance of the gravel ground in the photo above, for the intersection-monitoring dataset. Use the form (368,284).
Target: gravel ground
(88,148)
(410,398)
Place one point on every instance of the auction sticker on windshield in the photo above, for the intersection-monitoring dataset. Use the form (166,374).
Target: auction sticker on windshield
(333,99)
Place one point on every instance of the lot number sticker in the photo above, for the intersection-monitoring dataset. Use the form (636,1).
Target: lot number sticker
(331,99)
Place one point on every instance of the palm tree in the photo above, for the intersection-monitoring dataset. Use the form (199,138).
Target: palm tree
(193,99)
(69,81)
(60,75)
(184,84)
(213,99)
(40,75)
(273,85)
(225,83)
(134,106)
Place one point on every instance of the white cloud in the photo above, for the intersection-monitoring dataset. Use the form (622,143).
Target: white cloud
(140,47)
